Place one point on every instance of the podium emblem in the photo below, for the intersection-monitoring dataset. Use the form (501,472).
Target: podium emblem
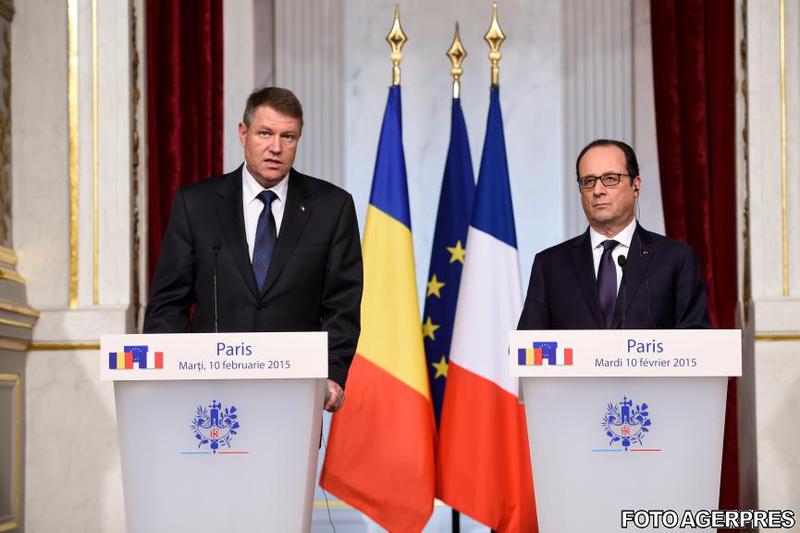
(543,354)
(626,424)
(215,425)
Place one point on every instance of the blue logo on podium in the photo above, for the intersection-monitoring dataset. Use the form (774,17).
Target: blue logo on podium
(626,424)
(215,426)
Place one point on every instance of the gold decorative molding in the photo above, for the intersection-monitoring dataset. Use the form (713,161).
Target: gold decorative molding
(8,256)
(494,38)
(396,39)
(15,323)
(784,199)
(7,9)
(13,345)
(12,276)
(747,282)
(5,139)
(339,504)
(95,163)
(72,97)
(457,54)
(62,346)
(19,309)
(15,380)
(785,336)
(135,165)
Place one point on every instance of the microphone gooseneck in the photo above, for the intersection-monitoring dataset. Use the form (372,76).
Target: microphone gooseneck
(215,247)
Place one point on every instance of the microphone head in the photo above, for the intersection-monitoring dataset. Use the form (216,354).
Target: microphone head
(622,261)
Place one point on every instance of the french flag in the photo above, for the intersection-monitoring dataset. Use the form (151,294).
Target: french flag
(483,458)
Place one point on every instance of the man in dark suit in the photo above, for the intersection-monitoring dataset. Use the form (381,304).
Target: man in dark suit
(578,284)
(263,248)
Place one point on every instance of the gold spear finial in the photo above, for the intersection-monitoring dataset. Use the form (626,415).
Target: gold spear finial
(495,37)
(457,55)
(396,39)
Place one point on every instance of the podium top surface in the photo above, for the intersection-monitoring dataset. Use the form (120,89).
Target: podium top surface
(626,353)
(197,356)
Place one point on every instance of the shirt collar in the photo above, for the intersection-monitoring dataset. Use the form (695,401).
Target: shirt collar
(624,237)
(251,188)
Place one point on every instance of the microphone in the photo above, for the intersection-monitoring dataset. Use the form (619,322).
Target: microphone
(215,246)
(622,261)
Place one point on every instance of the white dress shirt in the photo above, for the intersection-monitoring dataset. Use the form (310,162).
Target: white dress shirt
(624,238)
(252,206)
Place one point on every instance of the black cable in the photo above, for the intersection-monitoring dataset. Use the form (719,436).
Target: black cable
(325,494)
(215,247)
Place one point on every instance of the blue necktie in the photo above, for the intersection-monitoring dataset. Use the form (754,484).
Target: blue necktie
(266,235)
(607,281)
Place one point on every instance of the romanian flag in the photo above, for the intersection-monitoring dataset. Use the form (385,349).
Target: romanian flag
(380,456)
(483,458)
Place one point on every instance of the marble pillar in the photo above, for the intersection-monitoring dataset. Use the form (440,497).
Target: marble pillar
(768,174)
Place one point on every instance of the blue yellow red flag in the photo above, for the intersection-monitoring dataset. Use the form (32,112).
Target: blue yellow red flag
(380,456)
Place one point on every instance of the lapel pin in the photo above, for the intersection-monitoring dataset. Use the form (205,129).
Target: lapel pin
(645,252)
(303,208)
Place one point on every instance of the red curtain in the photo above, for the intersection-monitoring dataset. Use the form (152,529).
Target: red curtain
(184,102)
(694,78)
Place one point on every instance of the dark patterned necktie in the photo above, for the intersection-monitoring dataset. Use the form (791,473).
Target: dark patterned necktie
(266,235)
(607,281)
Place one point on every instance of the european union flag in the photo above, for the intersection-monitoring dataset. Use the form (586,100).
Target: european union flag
(447,256)
(548,351)
(139,354)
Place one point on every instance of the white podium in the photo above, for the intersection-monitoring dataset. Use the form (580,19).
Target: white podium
(218,432)
(623,420)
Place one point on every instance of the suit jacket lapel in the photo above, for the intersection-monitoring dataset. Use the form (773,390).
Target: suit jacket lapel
(582,262)
(639,258)
(230,218)
(295,217)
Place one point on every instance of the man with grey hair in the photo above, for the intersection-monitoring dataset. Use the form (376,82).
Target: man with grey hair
(283,247)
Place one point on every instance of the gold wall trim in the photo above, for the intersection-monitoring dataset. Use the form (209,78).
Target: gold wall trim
(789,336)
(95,163)
(19,309)
(784,191)
(12,276)
(8,526)
(8,256)
(72,32)
(13,345)
(136,254)
(15,323)
(331,504)
(16,379)
(7,12)
(62,346)
(334,504)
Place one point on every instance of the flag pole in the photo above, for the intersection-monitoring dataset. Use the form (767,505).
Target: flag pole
(457,54)
(494,38)
(396,39)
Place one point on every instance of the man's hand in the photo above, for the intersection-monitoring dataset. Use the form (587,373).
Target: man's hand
(334,397)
